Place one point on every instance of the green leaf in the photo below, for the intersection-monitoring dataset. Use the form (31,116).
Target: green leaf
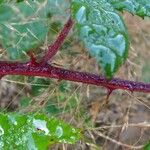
(32,132)
(137,7)
(23,26)
(147,146)
(103,32)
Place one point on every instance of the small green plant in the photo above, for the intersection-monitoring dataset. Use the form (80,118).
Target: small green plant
(24,27)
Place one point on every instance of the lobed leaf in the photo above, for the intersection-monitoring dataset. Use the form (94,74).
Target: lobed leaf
(103,32)
(137,7)
(38,131)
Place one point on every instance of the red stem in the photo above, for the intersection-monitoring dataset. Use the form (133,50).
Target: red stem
(33,68)
(53,48)
(7,68)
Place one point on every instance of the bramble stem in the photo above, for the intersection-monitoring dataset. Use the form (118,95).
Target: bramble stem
(53,48)
(8,68)
(42,69)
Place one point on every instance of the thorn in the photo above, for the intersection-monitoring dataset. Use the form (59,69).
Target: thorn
(59,80)
(131,91)
(32,58)
(42,103)
(142,17)
(109,91)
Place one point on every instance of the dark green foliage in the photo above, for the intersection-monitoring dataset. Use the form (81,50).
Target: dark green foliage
(24,25)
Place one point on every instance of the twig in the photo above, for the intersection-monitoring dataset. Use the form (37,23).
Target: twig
(8,68)
(54,47)
(118,142)
(33,68)
(140,125)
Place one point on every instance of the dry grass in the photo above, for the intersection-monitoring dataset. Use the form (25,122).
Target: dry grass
(124,123)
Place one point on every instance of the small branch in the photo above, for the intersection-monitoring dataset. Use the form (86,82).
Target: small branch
(7,68)
(139,125)
(33,68)
(53,48)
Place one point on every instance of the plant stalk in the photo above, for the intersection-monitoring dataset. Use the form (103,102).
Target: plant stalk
(54,47)
(43,69)
(28,69)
